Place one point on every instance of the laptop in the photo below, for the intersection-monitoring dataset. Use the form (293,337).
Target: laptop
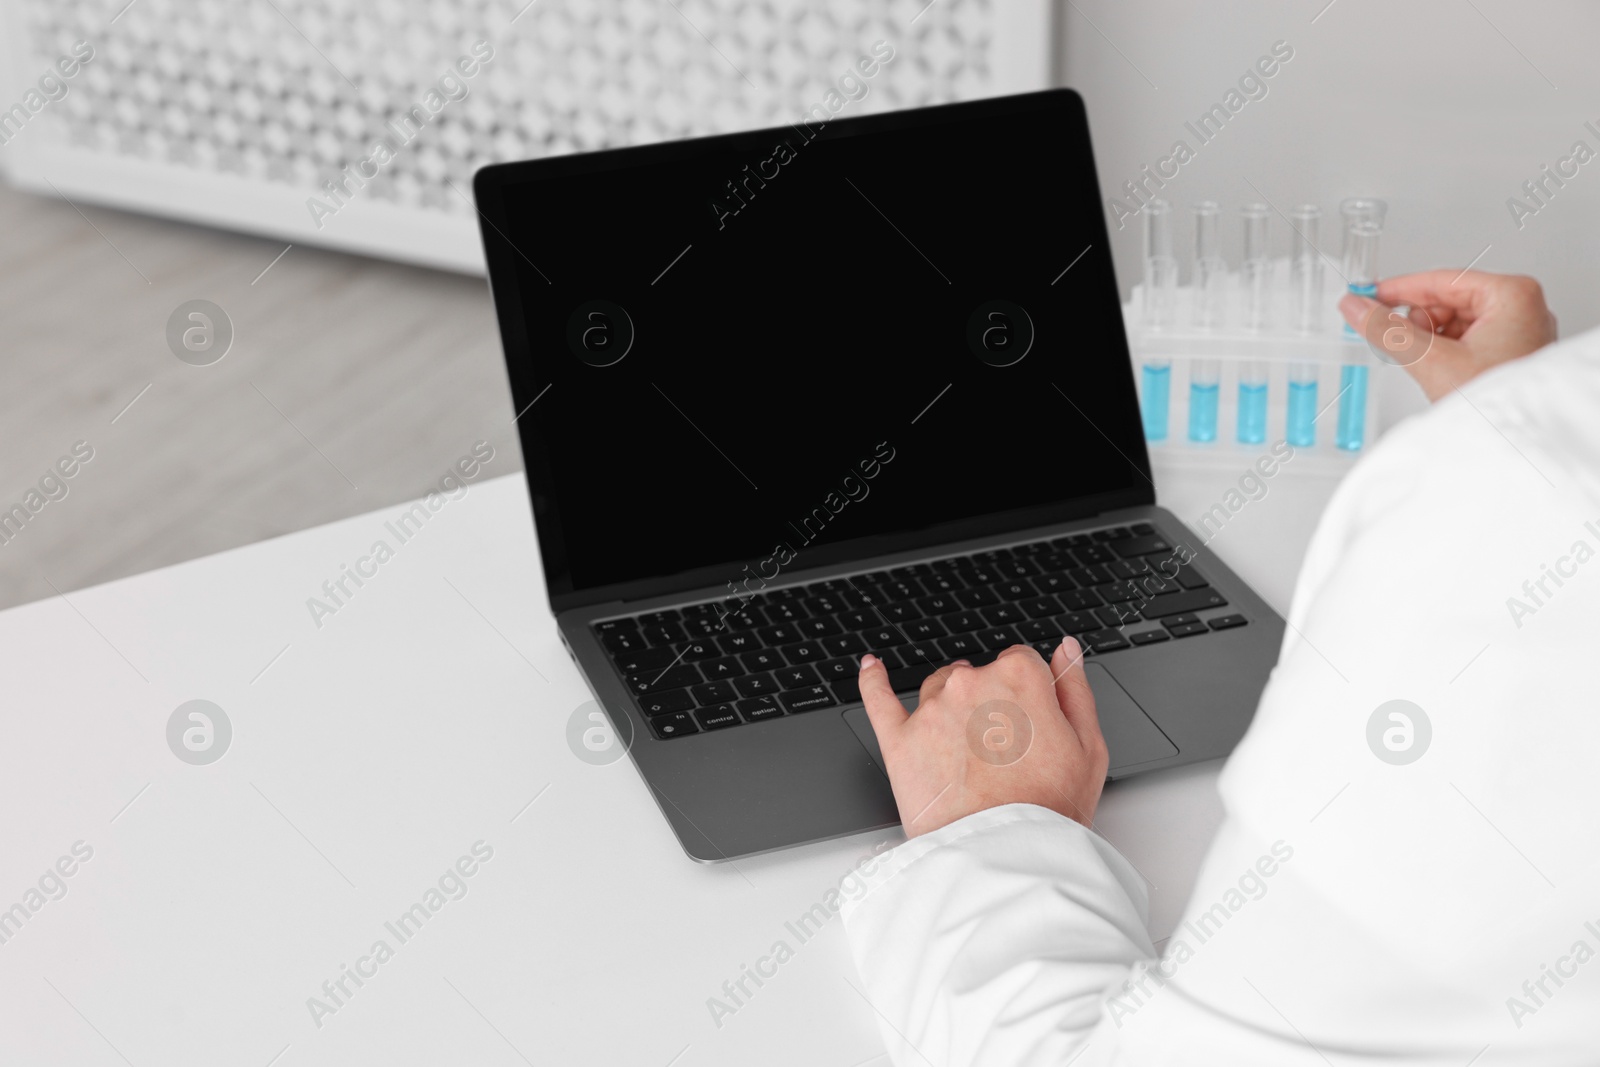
(849,385)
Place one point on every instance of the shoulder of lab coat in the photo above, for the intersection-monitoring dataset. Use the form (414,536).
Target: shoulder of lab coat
(1417,900)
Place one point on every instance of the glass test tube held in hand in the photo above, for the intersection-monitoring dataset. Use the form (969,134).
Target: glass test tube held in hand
(1160,313)
(1305,314)
(1361,272)
(1255,284)
(1352,212)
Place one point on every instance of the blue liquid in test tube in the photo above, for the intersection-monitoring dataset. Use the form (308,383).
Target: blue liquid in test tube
(1252,404)
(1205,388)
(1352,408)
(1155,399)
(1301,430)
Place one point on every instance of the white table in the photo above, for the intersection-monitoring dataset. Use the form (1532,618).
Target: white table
(367,756)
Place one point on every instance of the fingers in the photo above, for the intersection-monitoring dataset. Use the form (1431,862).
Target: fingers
(883,707)
(933,683)
(1465,293)
(1074,695)
(1408,342)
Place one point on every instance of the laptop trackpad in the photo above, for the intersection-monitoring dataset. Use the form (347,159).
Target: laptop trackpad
(1131,737)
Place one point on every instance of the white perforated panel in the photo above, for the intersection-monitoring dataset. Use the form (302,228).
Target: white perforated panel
(237,111)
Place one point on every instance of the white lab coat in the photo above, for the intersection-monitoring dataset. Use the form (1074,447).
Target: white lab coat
(1349,909)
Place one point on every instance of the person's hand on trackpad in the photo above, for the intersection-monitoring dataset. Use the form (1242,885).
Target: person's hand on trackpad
(1018,731)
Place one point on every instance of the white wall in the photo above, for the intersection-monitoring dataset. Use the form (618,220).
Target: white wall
(1421,102)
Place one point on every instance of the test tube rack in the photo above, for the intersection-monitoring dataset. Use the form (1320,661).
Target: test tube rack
(1277,349)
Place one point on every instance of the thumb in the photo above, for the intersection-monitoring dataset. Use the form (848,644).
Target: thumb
(883,707)
(1073,692)
(1407,341)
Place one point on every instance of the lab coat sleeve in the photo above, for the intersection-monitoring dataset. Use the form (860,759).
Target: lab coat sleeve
(997,939)
(1350,907)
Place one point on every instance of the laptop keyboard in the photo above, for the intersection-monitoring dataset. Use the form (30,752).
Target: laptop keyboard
(796,649)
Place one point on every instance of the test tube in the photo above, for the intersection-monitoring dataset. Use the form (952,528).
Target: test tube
(1160,309)
(1255,268)
(1255,283)
(1305,270)
(1352,212)
(1252,402)
(1301,430)
(1205,383)
(1210,269)
(1361,272)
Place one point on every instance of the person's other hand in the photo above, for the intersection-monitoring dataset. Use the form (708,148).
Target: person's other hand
(1018,731)
(1480,321)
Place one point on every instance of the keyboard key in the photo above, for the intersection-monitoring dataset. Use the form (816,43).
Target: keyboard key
(848,690)
(757,708)
(977,597)
(919,654)
(1014,589)
(999,638)
(784,611)
(1188,629)
(1227,622)
(844,645)
(1190,578)
(979,574)
(943,582)
(708,693)
(715,718)
(1077,622)
(662,703)
(796,677)
(961,646)
(823,604)
(717,670)
(1118,614)
(1079,600)
(663,634)
(900,612)
(909,679)
(1140,546)
(653,681)
(1054,583)
(993,555)
(1093,554)
(1020,567)
(1142,529)
(804,652)
(883,637)
(623,641)
(836,669)
(1040,630)
(915,570)
(755,685)
(1094,574)
(963,622)
(733,644)
(1040,607)
(740,621)
(923,629)
(1118,592)
(1180,620)
(1174,603)
(903,589)
(676,724)
(698,650)
(702,627)
(1148,637)
(1002,614)
(611,626)
(823,627)
(810,699)
(939,604)
(658,618)
(778,635)
(646,659)
(1103,640)
(765,659)
(859,620)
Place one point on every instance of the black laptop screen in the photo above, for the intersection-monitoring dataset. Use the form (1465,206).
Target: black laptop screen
(772,350)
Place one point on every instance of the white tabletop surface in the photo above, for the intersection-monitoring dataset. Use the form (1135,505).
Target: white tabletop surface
(370,754)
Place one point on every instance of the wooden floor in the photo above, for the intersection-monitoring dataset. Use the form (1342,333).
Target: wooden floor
(351,384)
